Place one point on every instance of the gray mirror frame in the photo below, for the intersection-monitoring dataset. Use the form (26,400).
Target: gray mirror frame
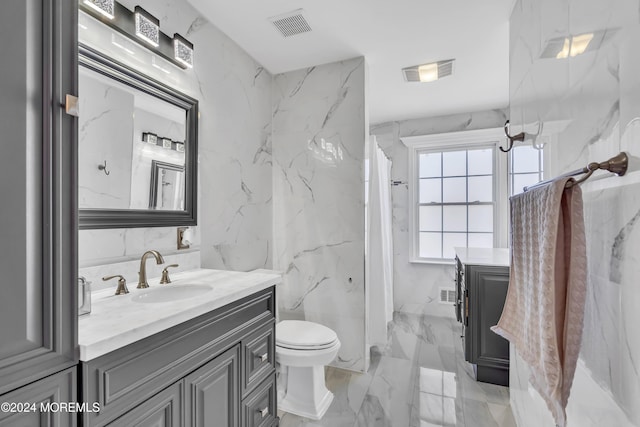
(135,218)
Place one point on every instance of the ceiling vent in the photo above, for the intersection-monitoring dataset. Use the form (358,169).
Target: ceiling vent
(291,23)
(428,72)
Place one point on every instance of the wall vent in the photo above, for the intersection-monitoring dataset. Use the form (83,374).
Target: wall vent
(291,23)
(447,296)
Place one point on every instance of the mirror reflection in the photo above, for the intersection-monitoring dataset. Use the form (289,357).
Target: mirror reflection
(131,147)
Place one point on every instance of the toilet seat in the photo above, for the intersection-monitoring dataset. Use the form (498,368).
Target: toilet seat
(304,336)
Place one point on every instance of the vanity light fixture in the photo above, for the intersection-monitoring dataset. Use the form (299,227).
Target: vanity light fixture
(104,7)
(183,50)
(428,72)
(147,27)
(150,138)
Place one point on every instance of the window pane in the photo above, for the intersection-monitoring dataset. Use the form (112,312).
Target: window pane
(481,218)
(430,165)
(430,190)
(430,218)
(524,159)
(452,240)
(481,240)
(481,162)
(455,218)
(431,245)
(454,190)
(481,189)
(525,180)
(454,163)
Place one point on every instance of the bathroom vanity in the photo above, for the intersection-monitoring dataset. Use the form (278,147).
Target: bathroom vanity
(197,352)
(482,280)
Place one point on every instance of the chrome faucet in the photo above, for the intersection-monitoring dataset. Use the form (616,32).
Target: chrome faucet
(142,274)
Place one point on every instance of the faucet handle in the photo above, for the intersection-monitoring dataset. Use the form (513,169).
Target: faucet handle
(165,274)
(122,284)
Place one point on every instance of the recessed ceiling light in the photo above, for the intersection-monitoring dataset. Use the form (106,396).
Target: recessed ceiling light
(428,72)
(571,46)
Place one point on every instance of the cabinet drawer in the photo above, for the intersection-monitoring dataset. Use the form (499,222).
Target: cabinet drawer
(259,407)
(258,352)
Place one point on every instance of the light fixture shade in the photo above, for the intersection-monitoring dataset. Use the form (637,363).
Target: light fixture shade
(165,143)
(150,138)
(183,50)
(147,27)
(105,7)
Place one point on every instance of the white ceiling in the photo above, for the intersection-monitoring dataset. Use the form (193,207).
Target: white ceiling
(391,35)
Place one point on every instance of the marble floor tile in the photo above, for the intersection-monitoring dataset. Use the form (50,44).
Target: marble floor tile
(419,379)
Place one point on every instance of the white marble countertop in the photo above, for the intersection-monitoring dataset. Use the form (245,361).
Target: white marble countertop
(117,320)
(484,256)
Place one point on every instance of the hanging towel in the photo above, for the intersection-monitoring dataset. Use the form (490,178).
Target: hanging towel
(544,309)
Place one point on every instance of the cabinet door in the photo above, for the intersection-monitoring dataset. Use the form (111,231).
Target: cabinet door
(38,308)
(487,293)
(43,397)
(212,393)
(162,410)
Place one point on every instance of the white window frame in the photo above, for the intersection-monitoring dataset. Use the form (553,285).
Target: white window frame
(465,140)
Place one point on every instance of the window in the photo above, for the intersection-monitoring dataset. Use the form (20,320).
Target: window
(525,168)
(455,198)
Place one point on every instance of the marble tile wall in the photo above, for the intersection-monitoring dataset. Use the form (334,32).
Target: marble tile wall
(416,286)
(595,97)
(234,220)
(319,134)
(99,141)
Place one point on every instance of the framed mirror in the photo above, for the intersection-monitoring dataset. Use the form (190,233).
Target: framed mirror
(137,148)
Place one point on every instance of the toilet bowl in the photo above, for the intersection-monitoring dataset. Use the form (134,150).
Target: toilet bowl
(303,349)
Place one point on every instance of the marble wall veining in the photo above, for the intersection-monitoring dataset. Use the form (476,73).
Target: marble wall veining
(416,286)
(234,229)
(319,133)
(595,95)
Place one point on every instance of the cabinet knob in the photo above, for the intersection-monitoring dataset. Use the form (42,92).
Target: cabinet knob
(264,412)
(264,357)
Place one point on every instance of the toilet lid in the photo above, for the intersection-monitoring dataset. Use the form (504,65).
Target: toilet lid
(303,335)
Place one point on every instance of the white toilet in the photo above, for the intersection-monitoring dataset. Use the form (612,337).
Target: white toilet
(303,349)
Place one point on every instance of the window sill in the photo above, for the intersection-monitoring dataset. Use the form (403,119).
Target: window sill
(432,261)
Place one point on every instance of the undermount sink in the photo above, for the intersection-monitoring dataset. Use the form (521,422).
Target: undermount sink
(177,292)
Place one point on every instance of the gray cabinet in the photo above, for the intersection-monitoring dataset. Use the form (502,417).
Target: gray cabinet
(482,290)
(43,397)
(161,410)
(212,392)
(215,361)
(38,309)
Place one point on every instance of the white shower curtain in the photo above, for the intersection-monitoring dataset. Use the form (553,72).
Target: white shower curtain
(379,260)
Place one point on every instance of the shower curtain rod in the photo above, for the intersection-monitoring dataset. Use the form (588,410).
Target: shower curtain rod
(617,164)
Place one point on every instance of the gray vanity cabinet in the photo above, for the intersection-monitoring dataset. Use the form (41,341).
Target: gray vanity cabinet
(211,398)
(44,395)
(161,410)
(199,373)
(38,308)
(482,290)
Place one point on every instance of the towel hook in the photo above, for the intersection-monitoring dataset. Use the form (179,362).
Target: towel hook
(518,137)
(103,168)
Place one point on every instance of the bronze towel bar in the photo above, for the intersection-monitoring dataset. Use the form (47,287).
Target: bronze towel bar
(617,164)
